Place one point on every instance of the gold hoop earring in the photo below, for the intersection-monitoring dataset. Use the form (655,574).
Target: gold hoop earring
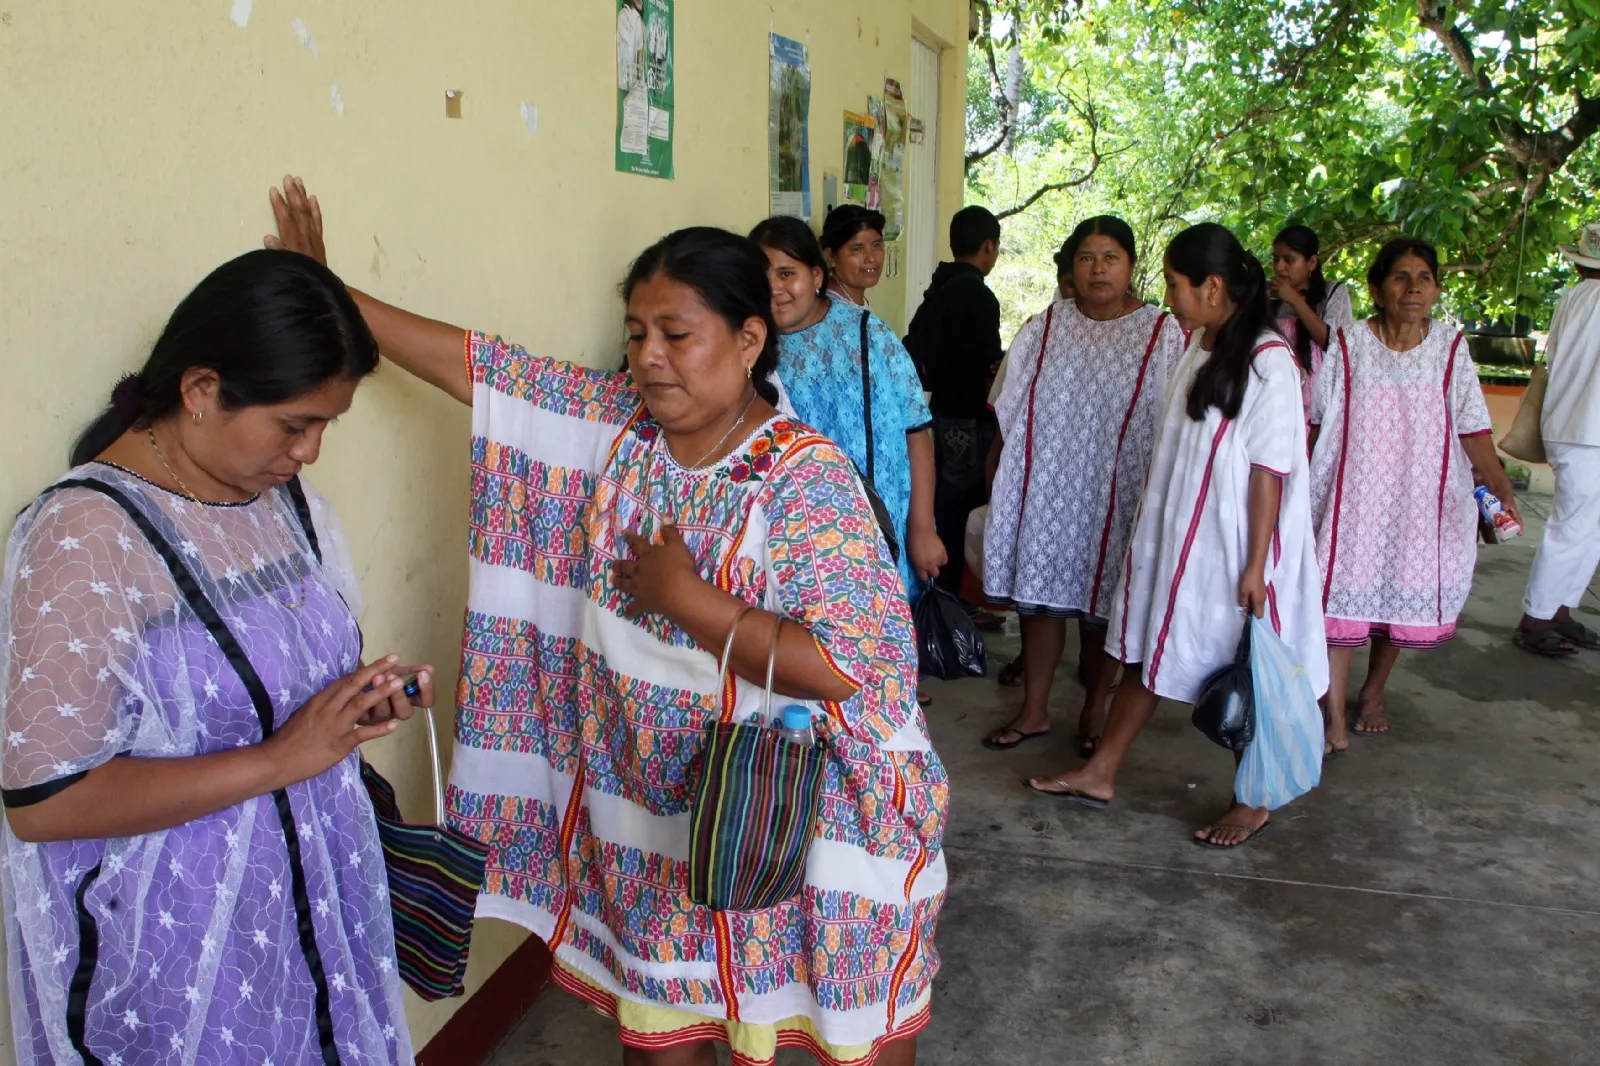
(198,415)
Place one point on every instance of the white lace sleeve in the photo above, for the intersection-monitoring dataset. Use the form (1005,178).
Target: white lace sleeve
(1336,313)
(80,585)
(336,561)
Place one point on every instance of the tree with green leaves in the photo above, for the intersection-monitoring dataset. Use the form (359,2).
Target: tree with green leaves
(1472,124)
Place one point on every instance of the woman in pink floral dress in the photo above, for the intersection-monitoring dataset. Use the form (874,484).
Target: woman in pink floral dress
(1402,427)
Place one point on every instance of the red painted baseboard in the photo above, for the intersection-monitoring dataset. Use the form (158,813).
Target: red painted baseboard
(484,1021)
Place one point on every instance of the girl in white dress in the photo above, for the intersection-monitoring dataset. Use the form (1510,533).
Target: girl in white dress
(1308,310)
(1225,522)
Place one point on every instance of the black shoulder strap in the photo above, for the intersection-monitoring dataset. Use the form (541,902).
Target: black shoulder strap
(866,389)
(203,608)
(302,511)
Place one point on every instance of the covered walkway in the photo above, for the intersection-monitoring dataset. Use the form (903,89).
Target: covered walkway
(1436,901)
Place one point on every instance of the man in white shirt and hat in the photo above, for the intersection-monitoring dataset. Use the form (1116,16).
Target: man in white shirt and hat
(1570,425)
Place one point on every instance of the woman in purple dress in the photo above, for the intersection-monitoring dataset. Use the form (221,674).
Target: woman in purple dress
(191,866)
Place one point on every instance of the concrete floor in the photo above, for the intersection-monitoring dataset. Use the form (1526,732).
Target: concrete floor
(1437,900)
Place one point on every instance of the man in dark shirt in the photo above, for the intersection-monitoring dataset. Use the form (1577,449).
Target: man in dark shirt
(954,339)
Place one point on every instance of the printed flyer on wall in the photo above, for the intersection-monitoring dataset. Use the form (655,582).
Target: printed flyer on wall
(644,87)
(860,131)
(789,129)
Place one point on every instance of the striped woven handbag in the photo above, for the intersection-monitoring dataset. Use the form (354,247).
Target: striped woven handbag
(755,808)
(435,874)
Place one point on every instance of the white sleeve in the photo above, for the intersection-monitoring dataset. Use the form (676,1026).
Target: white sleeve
(1272,419)
(337,564)
(999,381)
(1337,313)
(1330,378)
(81,584)
(1019,361)
(1468,408)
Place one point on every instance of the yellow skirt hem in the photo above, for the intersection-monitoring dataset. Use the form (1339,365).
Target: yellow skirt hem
(652,1027)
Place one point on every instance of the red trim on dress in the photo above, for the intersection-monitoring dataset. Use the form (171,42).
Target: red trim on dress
(569,829)
(1338,481)
(725,975)
(1444,476)
(1183,556)
(1027,437)
(1116,462)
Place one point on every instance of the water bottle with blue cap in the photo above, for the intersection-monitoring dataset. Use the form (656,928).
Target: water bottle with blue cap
(795,726)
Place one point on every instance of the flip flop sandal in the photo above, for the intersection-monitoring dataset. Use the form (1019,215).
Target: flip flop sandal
(1548,642)
(1577,633)
(1067,792)
(1087,745)
(1010,675)
(1022,738)
(1253,833)
(1357,731)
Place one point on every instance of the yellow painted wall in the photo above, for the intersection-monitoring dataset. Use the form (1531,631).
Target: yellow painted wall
(138,139)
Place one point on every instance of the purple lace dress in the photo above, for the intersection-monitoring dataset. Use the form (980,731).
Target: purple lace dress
(259,934)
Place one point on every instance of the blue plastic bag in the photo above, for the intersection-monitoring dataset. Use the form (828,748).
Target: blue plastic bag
(1284,760)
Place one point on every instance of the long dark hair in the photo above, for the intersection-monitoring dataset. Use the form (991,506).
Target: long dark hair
(1303,240)
(1198,253)
(792,237)
(1391,253)
(730,274)
(271,324)
(847,220)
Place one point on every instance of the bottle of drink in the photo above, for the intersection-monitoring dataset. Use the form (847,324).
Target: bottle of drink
(795,726)
(1495,513)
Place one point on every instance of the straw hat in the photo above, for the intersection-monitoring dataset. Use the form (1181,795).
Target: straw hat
(1587,252)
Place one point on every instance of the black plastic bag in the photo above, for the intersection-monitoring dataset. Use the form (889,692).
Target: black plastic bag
(948,645)
(1225,710)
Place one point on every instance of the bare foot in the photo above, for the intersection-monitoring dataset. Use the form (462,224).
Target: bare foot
(1371,721)
(1336,735)
(1236,826)
(1078,782)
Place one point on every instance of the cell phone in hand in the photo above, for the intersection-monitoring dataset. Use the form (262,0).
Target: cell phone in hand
(409,685)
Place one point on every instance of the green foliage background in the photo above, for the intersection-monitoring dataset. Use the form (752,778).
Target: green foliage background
(1355,118)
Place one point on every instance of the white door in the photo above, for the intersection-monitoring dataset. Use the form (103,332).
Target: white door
(922,176)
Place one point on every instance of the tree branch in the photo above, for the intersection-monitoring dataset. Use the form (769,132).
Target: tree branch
(1092,117)
(1432,15)
(1530,192)
(1002,103)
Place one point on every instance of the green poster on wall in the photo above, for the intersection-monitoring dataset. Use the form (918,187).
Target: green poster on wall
(644,87)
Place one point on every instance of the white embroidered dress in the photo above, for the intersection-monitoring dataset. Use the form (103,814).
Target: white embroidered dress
(1177,606)
(1078,412)
(1396,523)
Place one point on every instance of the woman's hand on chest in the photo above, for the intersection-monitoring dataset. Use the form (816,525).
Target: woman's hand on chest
(659,575)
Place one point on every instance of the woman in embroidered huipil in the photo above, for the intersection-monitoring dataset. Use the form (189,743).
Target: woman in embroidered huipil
(819,380)
(621,524)
(192,868)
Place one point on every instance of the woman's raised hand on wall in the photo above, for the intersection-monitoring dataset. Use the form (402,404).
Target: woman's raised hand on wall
(430,350)
(299,220)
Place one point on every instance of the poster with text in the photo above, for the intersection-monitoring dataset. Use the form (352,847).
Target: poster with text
(789,129)
(645,87)
(860,131)
(889,158)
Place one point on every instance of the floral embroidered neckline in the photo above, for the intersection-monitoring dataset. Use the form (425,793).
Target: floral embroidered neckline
(751,460)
